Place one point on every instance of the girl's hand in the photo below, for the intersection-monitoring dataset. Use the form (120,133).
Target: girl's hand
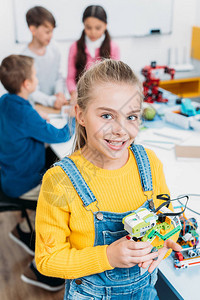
(125,253)
(161,253)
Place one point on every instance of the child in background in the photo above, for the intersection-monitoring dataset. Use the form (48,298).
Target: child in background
(50,90)
(23,134)
(83,199)
(22,131)
(95,43)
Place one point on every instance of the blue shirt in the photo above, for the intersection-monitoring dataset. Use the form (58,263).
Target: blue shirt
(22,151)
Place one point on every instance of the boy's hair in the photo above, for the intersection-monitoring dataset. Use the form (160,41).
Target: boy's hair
(99,13)
(14,70)
(39,15)
(101,72)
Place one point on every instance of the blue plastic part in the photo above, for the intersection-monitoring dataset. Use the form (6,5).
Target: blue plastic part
(187,108)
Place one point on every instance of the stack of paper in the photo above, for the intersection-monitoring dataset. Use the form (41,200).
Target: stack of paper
(164,138)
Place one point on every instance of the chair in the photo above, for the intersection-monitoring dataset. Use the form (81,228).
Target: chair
(17,204)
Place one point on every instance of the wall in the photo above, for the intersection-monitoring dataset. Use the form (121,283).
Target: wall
(137,52)
(197,20)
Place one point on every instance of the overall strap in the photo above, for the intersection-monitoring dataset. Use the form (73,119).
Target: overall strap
(77,180)
(144,169)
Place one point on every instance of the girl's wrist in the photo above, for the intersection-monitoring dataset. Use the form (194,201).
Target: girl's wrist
(109,256)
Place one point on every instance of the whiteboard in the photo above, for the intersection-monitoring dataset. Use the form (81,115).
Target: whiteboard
(126,18)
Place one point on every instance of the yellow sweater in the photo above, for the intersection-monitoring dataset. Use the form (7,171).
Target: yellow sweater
(65,229)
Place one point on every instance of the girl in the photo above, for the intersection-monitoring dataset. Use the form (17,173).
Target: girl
(84,198)
(94,43)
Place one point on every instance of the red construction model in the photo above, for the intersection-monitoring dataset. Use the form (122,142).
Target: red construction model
(151,83)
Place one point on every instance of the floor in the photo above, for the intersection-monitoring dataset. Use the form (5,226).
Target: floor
(13,261)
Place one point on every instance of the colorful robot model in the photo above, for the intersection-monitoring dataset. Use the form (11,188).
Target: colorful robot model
(148,226)
(151,83)
(188,257)
(188,236)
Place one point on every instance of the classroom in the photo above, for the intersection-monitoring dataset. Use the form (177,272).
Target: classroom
(99,130)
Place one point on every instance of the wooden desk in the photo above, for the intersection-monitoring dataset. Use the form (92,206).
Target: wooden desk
(47,109)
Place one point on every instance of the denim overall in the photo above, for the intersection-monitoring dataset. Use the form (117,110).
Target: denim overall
(119,283)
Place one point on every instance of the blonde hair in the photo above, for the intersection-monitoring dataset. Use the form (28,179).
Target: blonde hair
(101,72)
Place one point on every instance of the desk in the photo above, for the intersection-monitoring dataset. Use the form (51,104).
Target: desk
(62,149)
(47,109)
(184,283)
(182,178)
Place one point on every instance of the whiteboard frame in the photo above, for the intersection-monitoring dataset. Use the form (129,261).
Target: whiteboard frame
(64,33)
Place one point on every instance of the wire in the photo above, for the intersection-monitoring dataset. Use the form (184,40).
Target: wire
(167,199)
(190,195)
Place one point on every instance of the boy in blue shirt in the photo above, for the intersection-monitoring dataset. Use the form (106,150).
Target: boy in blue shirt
(22,131)
(23,134)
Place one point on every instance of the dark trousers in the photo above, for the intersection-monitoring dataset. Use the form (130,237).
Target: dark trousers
(51,158)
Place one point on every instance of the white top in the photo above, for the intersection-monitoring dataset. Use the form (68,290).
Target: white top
(47,70)
(93,45)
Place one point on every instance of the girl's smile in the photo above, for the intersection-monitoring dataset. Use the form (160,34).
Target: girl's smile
(111,123)
(115,145)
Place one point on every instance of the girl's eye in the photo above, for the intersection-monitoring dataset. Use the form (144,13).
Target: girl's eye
(106,116)
(132,118)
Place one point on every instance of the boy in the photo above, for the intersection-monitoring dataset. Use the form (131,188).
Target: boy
(50,90)
(23,134)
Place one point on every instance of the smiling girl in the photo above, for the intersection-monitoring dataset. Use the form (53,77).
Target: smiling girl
(84,197)
(95,43)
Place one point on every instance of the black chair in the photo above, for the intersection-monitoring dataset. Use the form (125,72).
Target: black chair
(17,204)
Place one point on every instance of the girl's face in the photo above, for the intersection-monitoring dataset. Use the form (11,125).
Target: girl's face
(94,28)
(111,121)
